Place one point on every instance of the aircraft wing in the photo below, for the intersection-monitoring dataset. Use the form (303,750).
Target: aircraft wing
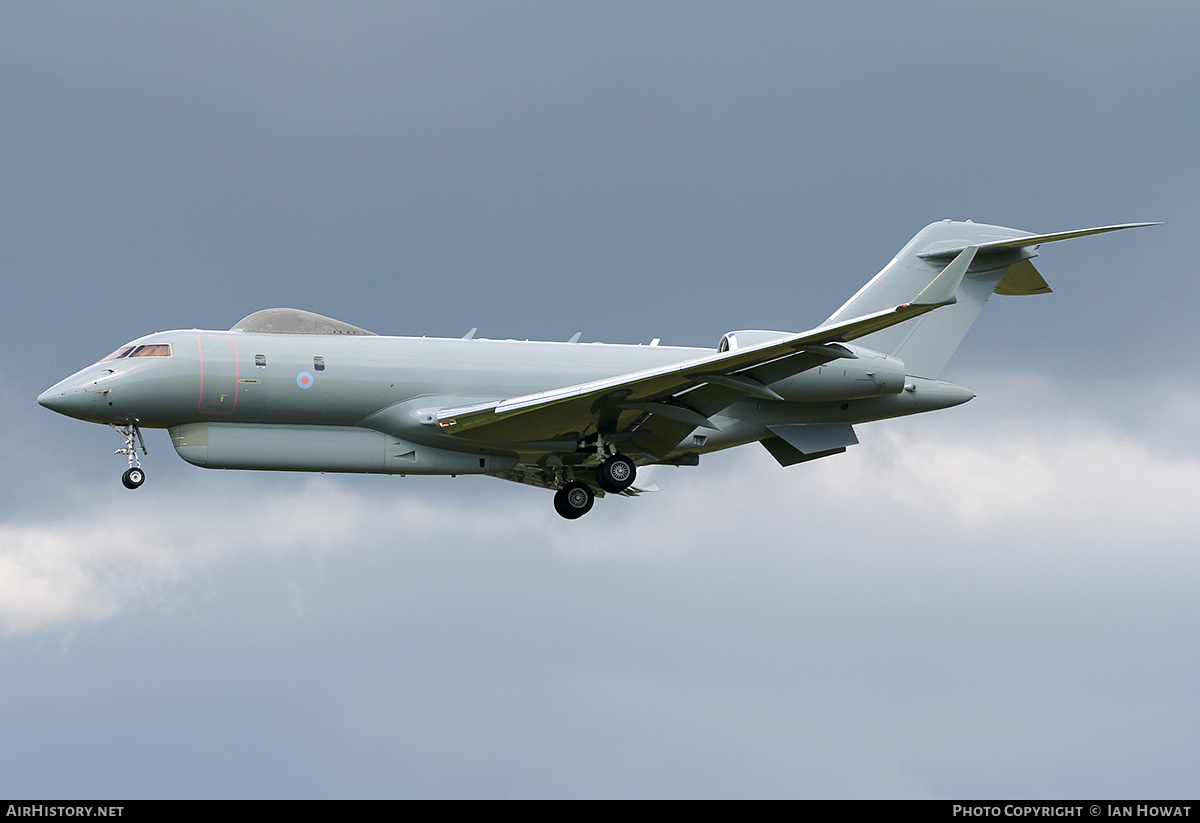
(572,409)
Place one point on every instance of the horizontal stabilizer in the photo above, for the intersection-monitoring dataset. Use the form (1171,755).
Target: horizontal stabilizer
(1028,240)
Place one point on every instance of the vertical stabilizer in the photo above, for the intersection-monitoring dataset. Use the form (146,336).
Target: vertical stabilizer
(926,343)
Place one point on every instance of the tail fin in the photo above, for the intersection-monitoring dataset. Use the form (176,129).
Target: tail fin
(1001,265)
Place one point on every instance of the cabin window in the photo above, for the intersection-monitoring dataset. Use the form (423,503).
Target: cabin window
(318,364)
(260,361)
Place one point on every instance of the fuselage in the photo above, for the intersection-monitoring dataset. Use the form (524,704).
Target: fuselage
(330,402)
(239,377)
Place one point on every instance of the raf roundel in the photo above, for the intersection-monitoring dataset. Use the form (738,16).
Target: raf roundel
(304,380)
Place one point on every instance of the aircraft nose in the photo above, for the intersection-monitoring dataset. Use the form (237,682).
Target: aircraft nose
(57,398)
(73,400)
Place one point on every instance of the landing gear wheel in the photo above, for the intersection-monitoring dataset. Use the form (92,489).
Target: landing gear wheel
(133,476)
(616,474)
(574,500)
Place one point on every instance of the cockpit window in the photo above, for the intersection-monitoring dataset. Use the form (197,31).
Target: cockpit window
(119,353)
(148,350)
(152,350)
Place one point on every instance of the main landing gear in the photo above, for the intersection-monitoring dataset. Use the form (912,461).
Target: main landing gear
(574,500)
(134,476)
(614,474)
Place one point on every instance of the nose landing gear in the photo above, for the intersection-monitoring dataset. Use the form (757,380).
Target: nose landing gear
(134,476)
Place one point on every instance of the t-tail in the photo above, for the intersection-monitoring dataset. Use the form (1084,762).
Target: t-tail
(1002,264)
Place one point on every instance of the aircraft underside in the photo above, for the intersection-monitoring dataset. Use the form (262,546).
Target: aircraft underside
(584,466)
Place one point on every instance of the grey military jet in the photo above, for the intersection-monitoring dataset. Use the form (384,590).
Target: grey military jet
(295,391)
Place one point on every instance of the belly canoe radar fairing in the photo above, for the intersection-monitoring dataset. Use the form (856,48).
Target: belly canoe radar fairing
(295,391)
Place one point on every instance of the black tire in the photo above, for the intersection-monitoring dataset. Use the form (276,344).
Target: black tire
(616,474)
(132,478)
(574,500)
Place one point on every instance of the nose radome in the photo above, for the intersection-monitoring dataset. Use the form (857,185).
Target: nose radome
(72,401)
(53,399)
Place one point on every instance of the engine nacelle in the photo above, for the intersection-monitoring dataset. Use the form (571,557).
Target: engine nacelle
(322,448)
(868,374)
(744,339)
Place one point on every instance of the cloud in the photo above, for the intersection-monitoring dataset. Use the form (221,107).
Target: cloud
(109,554)
(993,600)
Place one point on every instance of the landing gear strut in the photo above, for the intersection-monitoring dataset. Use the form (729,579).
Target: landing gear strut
(574,500)
(616,472)
(134,476)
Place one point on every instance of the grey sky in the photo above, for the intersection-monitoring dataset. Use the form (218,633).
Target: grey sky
(996,600)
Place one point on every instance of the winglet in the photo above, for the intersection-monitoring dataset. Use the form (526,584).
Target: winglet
(943,288)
